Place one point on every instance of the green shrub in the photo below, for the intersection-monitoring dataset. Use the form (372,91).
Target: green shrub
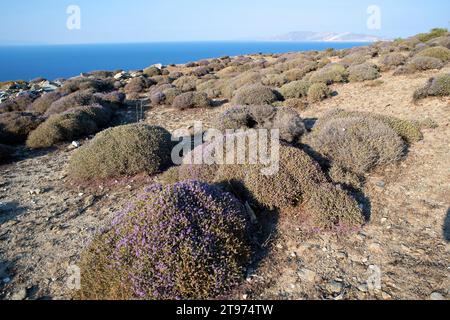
(354,59)
(391,60)
(297,104)
(189,100)
(43,103)
(254,95)
(76,99)
(189,240)
(15,126)
(419,64)
(70,125)
(295,89)
(318,92)
(152,71)
(363,72)
(356,144)
(6,153)
(434,33)
(333,73)
(120,151)
(438,86)
(242,80)
(440,53)
(274,80)
(285,119)
(138,85)
(186,83)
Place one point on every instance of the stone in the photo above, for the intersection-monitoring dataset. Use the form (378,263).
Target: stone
(307,275)
(375,247)
(334,287)
(437,296)
(21,294)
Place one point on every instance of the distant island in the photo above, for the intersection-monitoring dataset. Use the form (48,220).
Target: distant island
(325,37)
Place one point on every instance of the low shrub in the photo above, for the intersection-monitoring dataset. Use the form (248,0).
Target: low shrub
(419,64)
(392,60)
(297,104)
(15,126)
(189,100)
(356,144)
(183,241)
(68,126)
(114,98)
(120,151)
(6,153)
(363,72)
(354,59)
(440,53)
(83,83)
(18,103)
(318,92)
(295,89)
(274,80)
(255,95)
(333,73)
(434,33)
(186,83)
(43,103)
(285,119)
(73,100)
(438,86)
(152,71)
(201,71)
(138,85)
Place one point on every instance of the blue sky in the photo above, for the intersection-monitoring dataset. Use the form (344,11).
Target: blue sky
(110,21)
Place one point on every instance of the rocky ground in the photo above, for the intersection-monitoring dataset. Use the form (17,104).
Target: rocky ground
(402,253)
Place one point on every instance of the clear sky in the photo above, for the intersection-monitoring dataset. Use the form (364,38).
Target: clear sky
(110,21)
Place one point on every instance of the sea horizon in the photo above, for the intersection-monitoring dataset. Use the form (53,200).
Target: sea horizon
(53,61)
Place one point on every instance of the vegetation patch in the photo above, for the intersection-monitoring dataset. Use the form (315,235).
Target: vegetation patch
(438,86)
(15,126)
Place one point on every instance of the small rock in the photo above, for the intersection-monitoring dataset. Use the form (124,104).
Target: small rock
(437,296)
(375,247)
(334,287)
(36,191)
(244,297)
(381,184)
(386,296)
(383,220)
(6,280)
(363,287)
(19,295)
(75,144)
(81,194)
(307,275)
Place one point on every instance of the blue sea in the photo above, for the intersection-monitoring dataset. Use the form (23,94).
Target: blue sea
(64,61)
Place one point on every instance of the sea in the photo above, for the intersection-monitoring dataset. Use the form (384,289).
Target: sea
(27,62)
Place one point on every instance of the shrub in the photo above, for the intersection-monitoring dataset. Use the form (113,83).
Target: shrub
(5,152)
(391,60)
(114,98)
(15,126)
(298,104)
(441,41)
(72,124)
(43,103)
(152,71)
(123,150)
(438,86)
(191,100)
(254,95)
(138,85)
(82,83)
(186,83)
(333,73)
(295,89)
(408,130)
(354,59)
(170,95)
(18,103)
(318,92)
(434,33)
(287,120)
(76,99)
(419,64)
(274,80)
(356,144)
(363,72)
(201,71)
(183,241)
(242,80)
(440,53)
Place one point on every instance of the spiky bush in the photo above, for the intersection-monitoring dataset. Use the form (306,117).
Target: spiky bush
(83,83)
(123,150)
(441,41)
(183,241)
(297,104)
(434,33)
(392,60)
(438,86)
(333,73)
(67,126)
(189,100)
(274,80)
(186,83)
(318,92)
(76,99)
(354,59)
(201,71)
(363,72)
(254,95)
(287,120)
(114,98)
(440,53)
(43,103)
(15,126)
(5,152)
(295,89)
(408,130)
(419,64)
(152,71)
(357,144)
(18,103)
(241,80)
(138,85)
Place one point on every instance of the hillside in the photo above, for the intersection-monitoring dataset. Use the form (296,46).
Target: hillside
(360,208)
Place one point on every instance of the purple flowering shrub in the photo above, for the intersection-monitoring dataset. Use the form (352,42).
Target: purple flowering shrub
(182,241)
